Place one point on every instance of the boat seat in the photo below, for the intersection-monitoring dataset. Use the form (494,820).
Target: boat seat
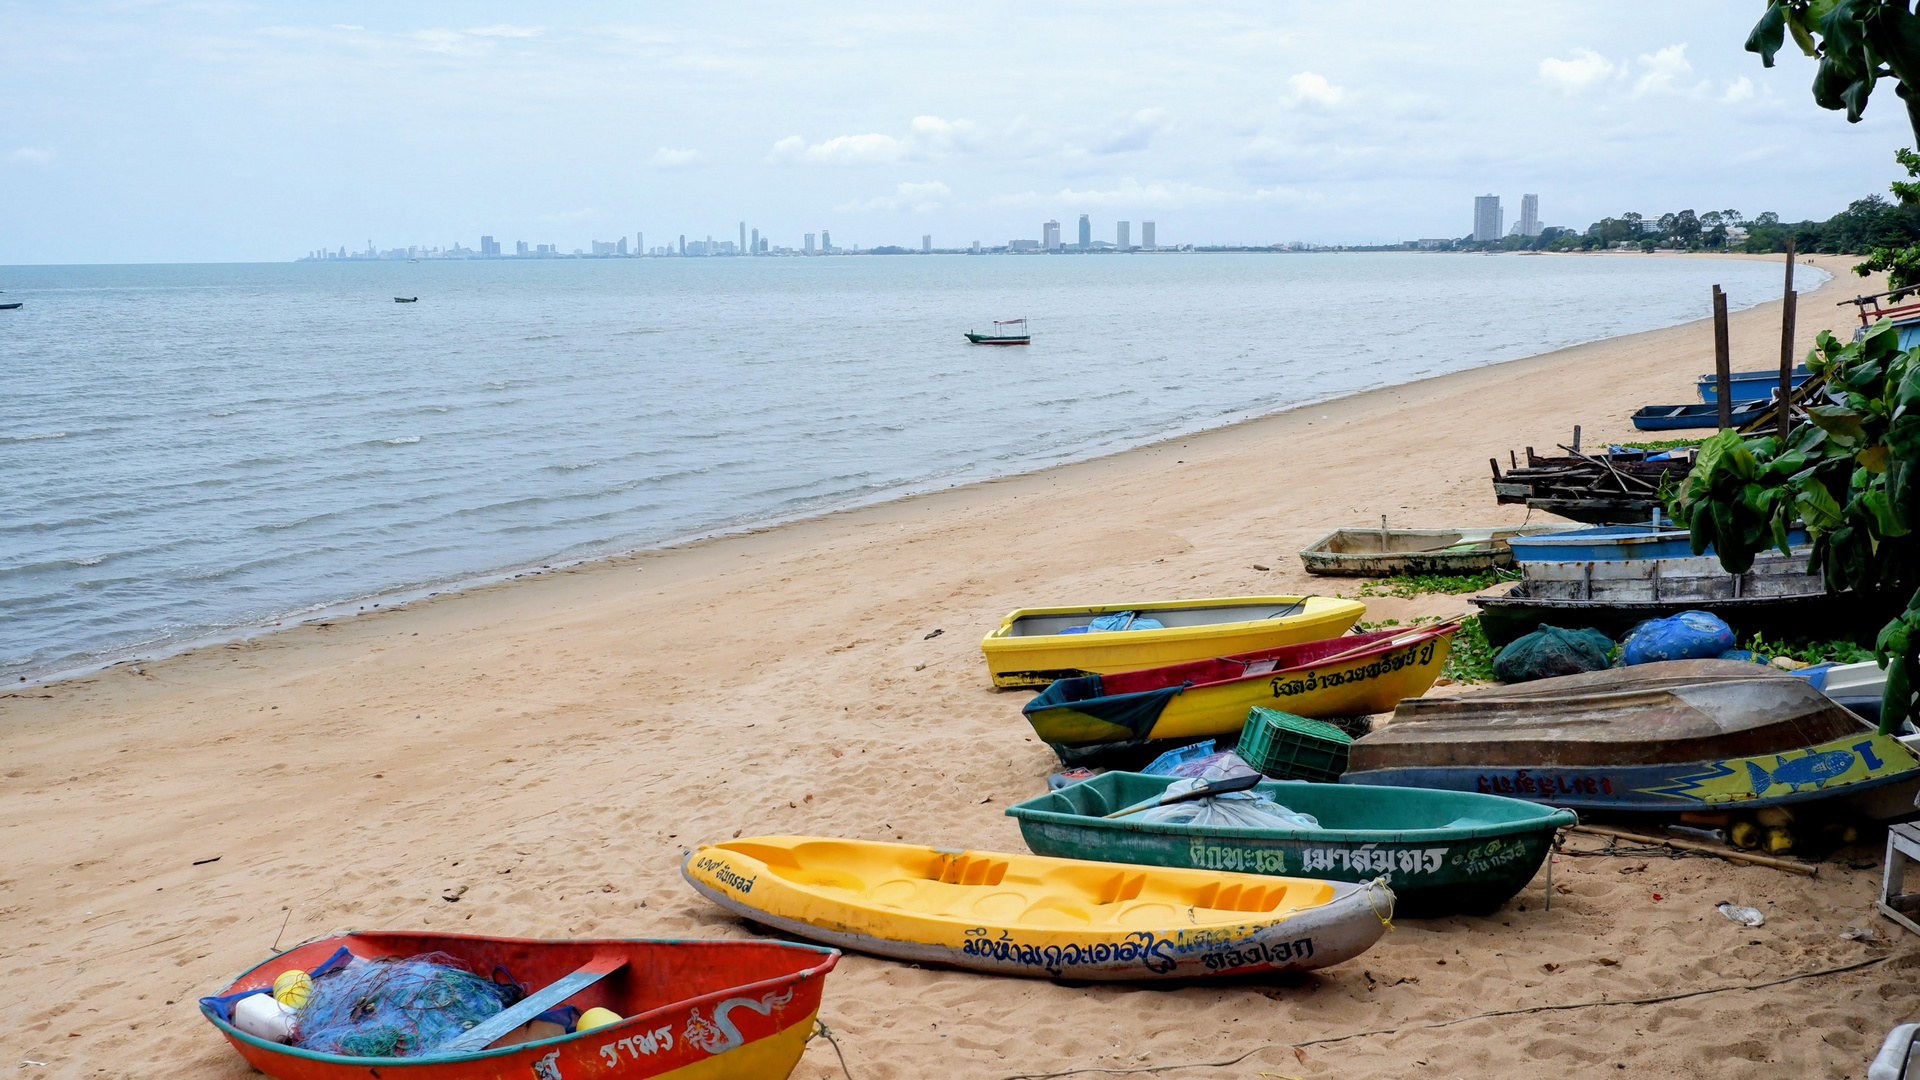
(481,1035)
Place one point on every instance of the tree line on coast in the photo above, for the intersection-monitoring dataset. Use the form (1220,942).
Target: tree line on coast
(1866,224)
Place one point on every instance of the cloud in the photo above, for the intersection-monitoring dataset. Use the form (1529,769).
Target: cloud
(928,138)
(1663,70)
(1739,89)
(922,197)
(1309,88)
(668,158)
(31,155)
(1586,68)
(507,30)
(1133,132)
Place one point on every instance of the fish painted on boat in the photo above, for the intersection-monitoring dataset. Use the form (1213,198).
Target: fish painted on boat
(1815,769)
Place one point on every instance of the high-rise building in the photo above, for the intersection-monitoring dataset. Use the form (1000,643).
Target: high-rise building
(1050,236)
(683,243)
(755,249)
(1121,233)
(926,241)
(976,247)
(620,246)
(743,237)
(826,242)
(1086,233)
(519,247)
(1146,235)
(639,243)
(1529,215)
(809,248)
(488,248)
(1487,217)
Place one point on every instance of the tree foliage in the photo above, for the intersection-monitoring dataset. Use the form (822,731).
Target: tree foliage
(1858,43)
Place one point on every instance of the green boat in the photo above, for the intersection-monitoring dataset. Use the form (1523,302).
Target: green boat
(1444,852)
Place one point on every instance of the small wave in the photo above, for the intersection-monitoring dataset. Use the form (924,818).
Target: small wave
(401,440)
(222,414)
(34,437)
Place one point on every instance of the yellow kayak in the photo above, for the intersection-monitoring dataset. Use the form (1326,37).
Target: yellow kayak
(1035,646)
(1033,915)
(1351,675)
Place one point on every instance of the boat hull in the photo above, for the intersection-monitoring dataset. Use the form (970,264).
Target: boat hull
(755,1029)
(1370,681)
(1362,552)
(1817,615)
(1748,385)
(1434,869)
(1055,938)
(985,339)
(1677,417)
(1016,659)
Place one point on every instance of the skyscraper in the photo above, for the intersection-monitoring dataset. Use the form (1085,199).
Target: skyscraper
(1146,235)
(1487,217)
(683,243)
(743,236)
(1086,233)
(809,248)
(1529,215)
(488,248)
(1121,231)
(755,249)
(639,243)
(926,241)
(519,247)
(826,242)
(1050,236)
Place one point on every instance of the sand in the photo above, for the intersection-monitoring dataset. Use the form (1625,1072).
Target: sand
(553,744)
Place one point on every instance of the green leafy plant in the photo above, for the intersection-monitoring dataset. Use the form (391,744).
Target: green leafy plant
(1407,586)
(1659,444)
(1471,658)
(1851,475)
(1811,652)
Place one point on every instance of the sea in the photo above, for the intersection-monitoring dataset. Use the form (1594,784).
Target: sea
(197,451)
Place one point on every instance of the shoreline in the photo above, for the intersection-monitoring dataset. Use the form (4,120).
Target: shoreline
(532,758)
(409,595)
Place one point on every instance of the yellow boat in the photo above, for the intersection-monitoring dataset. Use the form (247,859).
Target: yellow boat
(1351,675)
(1033,915)
(1035,646)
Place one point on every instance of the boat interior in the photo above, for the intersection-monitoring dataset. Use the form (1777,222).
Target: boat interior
(1043,625)
(1338,807)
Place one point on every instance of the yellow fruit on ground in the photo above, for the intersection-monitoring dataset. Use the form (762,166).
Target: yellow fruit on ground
(596,1017)
(1745,834)
(292,988)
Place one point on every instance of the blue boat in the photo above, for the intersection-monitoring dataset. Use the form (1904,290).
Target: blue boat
(1612,543)
(1656,738)
(1749,385)
(1676,417)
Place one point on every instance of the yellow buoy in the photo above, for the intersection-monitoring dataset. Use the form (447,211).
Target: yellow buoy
(1745,834)
(292,988)
(1779,841)
(596,1017)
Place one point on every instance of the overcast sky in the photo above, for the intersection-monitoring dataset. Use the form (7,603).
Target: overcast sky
(178,132)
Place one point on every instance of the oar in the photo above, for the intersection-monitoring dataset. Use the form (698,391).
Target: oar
(1217,787)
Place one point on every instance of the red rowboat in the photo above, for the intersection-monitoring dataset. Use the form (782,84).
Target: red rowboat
(692,1009)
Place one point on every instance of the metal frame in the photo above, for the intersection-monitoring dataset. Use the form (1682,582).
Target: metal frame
(1903,851)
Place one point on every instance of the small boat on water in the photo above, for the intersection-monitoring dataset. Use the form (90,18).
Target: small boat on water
(406,299)
(1444,852)
(1030,915)
(1675,417)
(1776,598)
(1350,675)
(1368,552)
(1748,385)
(1005,332)
(1034,646)
(1656,738)
(11,306)
(686,1008)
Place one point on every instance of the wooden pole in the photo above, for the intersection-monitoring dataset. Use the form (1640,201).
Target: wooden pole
(1722,360)
(1729,854)
(1788,305)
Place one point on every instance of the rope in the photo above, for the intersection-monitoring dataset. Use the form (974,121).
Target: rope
(820,1029)
(1655,1000)
(1387,919)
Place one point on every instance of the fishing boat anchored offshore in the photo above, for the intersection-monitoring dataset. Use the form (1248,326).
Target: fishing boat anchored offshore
(1005,332)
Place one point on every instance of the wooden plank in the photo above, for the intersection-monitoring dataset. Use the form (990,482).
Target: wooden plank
(1788,303)
(1722,359)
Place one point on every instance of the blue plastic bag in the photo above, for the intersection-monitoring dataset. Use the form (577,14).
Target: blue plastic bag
(1690,635)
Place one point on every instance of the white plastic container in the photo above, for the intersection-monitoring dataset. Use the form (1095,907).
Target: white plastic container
(264,1018)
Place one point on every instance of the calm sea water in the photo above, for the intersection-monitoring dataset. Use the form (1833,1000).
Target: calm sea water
(188,449)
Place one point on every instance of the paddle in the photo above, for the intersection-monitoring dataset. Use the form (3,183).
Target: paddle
(1217,787)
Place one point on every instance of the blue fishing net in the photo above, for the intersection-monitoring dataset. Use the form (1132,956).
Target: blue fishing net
(398,1007)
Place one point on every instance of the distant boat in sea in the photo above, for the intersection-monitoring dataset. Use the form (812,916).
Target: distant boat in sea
(406,299)
(1005,332)
(10,307)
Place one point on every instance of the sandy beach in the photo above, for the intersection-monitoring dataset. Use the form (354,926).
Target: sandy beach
(552,745)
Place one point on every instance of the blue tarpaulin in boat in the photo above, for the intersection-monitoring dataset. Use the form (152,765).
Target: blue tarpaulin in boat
(1136,712)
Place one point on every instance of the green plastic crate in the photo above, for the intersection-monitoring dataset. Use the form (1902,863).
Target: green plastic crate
(1289,747)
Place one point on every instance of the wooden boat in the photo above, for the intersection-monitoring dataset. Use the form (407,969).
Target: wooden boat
(1350,675)
(1749,385)
(1444,852)
(1030,915)
(1775,598)
(1611,487)
(1365,552)
(1675,417)
(1657,738)
(1614,543)
(1035,646)
(1005,332)
(692,1009)
(11,306)
(406,299)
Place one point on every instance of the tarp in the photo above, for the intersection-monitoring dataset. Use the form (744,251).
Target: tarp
(1136,712)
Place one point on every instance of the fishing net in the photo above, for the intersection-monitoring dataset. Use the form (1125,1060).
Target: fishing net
(398,1007)
(1551,651)
(1244,809)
